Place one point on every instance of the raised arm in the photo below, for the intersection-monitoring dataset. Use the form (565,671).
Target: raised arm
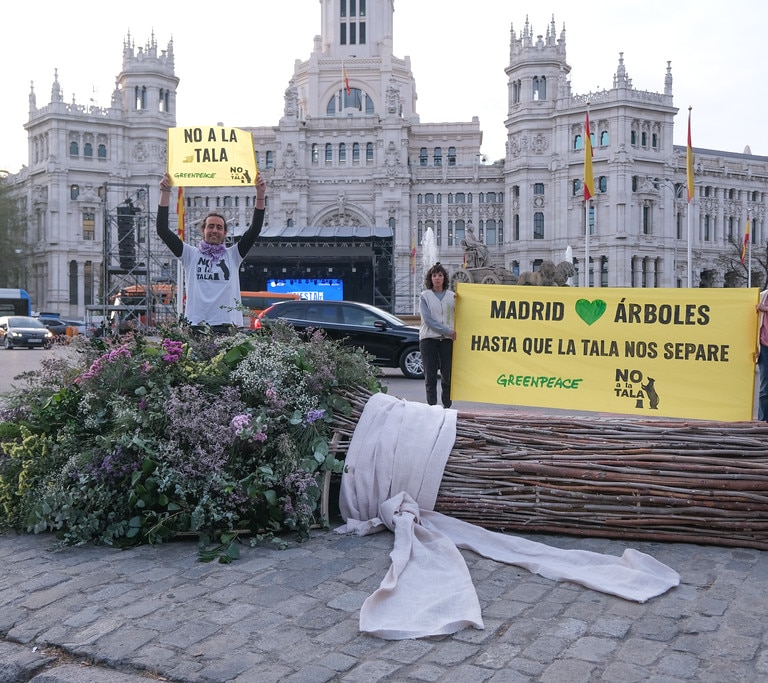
(171,240)
(249,237)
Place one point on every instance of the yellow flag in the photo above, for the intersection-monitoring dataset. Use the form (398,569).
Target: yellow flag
(211,156)
(589,178)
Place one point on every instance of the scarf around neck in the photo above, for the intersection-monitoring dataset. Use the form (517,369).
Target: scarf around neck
(213,251)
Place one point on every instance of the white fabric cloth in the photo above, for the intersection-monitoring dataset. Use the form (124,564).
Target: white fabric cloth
(395,462)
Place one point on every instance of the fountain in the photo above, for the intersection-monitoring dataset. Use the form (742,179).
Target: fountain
(428,251)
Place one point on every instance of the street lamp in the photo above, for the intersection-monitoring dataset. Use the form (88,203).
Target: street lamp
(677,190)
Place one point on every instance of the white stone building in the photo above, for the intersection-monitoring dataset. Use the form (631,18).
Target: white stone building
(355,177)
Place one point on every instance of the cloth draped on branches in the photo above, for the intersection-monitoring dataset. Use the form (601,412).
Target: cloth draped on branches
(394,465)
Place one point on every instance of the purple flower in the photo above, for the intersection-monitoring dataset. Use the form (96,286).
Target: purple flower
(313,416)
(173,350)
(241,422)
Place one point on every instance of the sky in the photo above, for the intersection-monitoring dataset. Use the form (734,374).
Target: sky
(235,63)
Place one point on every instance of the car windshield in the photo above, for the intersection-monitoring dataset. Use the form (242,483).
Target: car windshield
(21,321)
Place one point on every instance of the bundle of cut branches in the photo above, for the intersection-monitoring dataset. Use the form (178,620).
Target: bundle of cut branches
(613,477)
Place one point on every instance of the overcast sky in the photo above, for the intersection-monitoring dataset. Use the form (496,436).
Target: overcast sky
(235,59)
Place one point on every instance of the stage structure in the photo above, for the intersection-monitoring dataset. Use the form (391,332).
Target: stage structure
(138,283)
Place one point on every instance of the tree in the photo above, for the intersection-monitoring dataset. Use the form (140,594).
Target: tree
(736,274)
(12,231)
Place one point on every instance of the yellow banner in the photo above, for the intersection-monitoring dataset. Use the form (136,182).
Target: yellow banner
(686,353)
(212,156)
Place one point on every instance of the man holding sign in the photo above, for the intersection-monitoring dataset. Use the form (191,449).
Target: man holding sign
(212,270)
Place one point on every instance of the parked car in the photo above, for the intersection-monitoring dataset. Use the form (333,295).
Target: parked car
(54,324)
(388,339)
(22,330)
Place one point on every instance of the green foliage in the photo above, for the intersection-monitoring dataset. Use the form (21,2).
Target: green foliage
(12,231)
(140,440)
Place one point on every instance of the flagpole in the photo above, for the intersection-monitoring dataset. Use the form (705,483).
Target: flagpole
(749,254)
(691,196)
(586,243)
(182,233)
(589,191)
(413,270)
(691,207)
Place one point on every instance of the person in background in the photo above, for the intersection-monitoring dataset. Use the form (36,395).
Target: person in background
(437,333)
(762,356)
(212,270)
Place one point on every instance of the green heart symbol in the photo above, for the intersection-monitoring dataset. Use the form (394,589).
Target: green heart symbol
(590,311)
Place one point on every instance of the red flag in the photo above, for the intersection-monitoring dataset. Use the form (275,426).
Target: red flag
(346,79)
(589,178)
(180,213)
(689,160)
(746,242)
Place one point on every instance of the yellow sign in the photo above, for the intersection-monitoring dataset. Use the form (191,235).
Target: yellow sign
(648,352)
(212,156)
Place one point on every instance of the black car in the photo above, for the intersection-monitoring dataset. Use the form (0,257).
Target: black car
(21,330)
(55,325)
(391,342)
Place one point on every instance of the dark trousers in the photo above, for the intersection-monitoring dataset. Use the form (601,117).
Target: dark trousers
(762,394)
(437,354)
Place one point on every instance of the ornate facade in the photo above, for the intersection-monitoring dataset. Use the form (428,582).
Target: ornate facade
(356,178)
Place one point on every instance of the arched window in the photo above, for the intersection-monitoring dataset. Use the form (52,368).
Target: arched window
(578,142)
(342,151)
(429,198)
(451,156)
(88,150)
(270,159)
(73,280)
(141,96)
(88,283)
(654,141)
(74,191)
(438,156)
(604,138)
(539,88)
(459,231)
(102,152)
(369,151)
(356,99)
(633,137)
(516,227)
(328,152)
(355,152)
(517,87)
(315,153)
(423,158)
(643,139)
(74,149)
(490,232)
(576,187)
(538,226)
(602,183)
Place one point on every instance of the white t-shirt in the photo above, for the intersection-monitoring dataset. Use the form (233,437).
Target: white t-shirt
(212,291)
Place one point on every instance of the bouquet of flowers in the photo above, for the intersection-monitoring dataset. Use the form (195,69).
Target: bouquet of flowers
(140,439)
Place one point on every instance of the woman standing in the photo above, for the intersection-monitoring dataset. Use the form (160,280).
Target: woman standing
(437,334)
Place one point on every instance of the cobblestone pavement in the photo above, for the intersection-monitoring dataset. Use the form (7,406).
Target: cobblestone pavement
(99,615)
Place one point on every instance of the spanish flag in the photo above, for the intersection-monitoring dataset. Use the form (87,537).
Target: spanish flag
(589,178)
(346,79)
(689,160)
(746,243)
(180,213)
